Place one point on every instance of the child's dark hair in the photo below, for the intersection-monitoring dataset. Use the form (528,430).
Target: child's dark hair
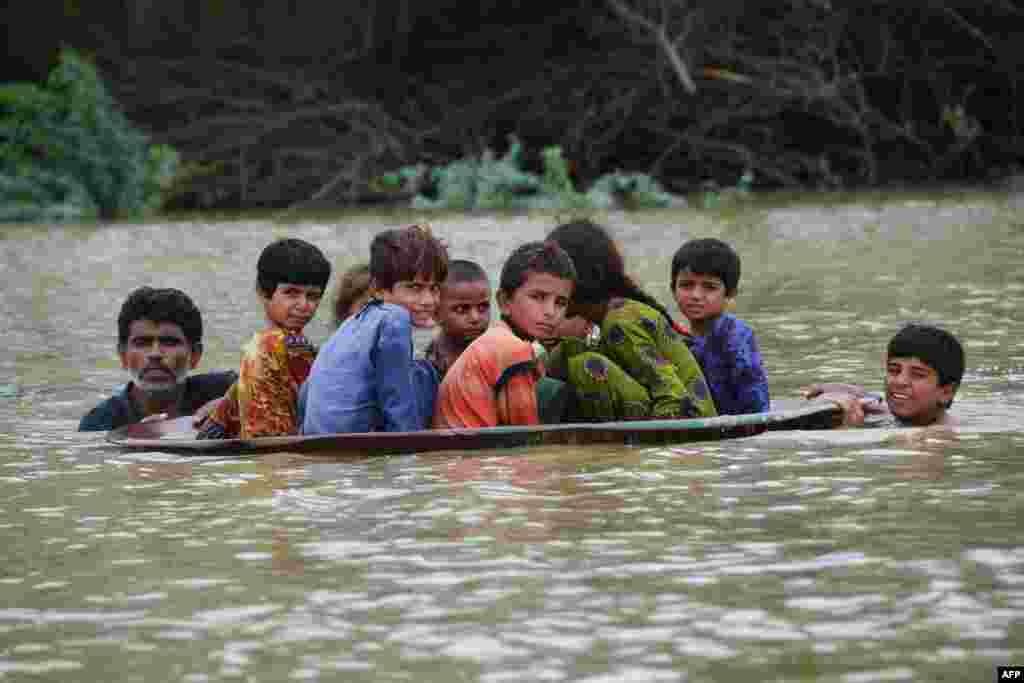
(934,347)
(535,257)
(353,284)
(461,270)
(293,261)
(404,253)
(161,306)
(708,256)
(600,269)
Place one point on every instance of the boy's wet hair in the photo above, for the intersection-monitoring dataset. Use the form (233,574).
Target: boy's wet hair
(404,253)
(160,306)
(600,268)
(353,284)
(292,261)
(462,270)
(933,346)
(708,256)
(535,257)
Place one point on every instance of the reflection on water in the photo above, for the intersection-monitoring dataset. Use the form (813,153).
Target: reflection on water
(847,556)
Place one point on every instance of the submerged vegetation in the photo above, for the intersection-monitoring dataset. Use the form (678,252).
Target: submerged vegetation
(492,182)
(67,153)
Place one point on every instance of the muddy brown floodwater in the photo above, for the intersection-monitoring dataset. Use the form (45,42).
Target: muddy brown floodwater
(846,556)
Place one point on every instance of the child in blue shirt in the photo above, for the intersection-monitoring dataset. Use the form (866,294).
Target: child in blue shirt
(705,275)
(365,377)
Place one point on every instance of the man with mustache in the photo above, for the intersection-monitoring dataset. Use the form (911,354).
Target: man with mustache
(159,342)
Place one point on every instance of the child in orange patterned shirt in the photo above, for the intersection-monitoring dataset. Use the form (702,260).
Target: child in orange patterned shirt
(291,277)
(494,381)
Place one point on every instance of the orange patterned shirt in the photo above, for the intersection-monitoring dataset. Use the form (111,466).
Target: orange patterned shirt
(262,402)
(492,383)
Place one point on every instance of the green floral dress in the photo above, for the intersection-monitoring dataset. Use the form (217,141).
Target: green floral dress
(639,368)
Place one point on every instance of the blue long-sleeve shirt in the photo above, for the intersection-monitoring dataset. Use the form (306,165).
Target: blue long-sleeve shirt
(365,378)
(729,356)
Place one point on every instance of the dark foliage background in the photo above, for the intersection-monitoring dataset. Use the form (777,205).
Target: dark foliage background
(304,102)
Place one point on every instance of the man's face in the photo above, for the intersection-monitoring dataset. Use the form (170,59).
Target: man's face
(158,356)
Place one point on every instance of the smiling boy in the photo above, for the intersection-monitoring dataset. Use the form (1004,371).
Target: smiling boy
(923,369)
(365,378)
(494,381)
(160,334)
(705,277)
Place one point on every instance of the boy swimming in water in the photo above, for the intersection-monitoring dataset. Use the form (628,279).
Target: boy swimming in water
(463,313)
(290,278)
(494,381)
(923,369)
(705,276)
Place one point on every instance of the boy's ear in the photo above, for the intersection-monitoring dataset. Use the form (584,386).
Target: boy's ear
(501,298)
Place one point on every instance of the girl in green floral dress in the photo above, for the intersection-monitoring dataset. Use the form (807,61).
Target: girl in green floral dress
(640,366)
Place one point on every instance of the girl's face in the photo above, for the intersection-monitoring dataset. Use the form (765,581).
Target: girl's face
(418,296)
(538,306)
(913,392)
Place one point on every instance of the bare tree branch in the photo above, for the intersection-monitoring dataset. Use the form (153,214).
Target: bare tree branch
(663,41)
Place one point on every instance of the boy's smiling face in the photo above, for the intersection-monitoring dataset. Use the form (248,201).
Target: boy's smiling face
(419,296)
(538,305)
(913,392)
(464,310)
(700,297)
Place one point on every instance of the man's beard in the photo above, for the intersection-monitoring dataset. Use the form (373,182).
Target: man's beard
(160,388)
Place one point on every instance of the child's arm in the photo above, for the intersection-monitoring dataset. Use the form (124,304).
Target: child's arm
(393,368)
(516,395)
(817,389)
(221,420)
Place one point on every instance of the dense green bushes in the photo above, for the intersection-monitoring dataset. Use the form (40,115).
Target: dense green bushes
(67,153)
